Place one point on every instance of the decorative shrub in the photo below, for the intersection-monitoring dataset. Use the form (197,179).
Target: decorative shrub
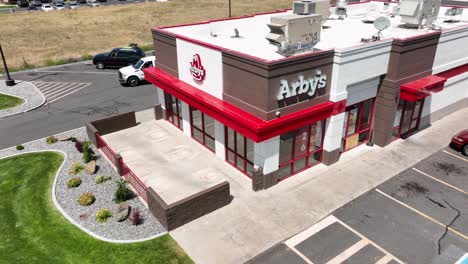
(123,193)
(88,155)
(101,179)
(51,140)
(73,182)
(87,199)
(102,215)
(87,144)
(79,146)
(73,139)
(76,168)
(19,147)
(136,216)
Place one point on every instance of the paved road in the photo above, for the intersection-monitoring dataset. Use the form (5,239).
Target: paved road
(76,94)
(403,220)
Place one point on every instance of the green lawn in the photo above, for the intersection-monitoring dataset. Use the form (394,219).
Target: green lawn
(33,231)
(7,101)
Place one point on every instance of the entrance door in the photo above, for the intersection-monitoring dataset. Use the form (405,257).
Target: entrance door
(358,120)
(173,110)
(407,118)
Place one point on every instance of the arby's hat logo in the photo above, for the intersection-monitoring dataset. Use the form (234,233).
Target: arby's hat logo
(196,68)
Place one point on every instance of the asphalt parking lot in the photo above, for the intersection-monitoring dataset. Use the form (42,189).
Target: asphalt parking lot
(418,216)
(76,93)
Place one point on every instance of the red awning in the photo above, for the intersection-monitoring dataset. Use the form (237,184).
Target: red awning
(421,88)
(243,122)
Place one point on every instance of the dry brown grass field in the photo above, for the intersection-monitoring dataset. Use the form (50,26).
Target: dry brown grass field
(40,38)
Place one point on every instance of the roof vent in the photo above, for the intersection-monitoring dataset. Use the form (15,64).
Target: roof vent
(307,7)
(415,13)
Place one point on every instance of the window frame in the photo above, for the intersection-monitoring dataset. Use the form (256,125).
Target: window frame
(243,156)
(292,162)
(202,130)
(168,100)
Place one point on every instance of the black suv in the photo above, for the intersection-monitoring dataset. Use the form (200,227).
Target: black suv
(118,57)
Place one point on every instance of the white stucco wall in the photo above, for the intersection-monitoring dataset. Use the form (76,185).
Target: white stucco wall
(220,149)
(451,49)
(266,154)
(211,61)
(160,95)
(334,132)
(186,118)
(362,91)
(455,89)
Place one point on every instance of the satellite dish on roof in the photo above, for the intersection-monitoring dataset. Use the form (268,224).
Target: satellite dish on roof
(382,23)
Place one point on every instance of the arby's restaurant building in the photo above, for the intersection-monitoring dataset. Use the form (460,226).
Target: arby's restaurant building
(272,116)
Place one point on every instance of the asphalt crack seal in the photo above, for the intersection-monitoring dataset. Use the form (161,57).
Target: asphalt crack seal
(447,226)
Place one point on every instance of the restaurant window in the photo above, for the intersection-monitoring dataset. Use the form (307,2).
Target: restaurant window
(300,149)
(202,128)
(357,125)
(173,110)
(239,151)
(407,118)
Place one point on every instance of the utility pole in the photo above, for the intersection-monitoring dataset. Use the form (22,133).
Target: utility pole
(8,81)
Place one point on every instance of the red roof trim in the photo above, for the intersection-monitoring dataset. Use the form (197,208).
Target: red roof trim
(421,88)
(453,72)
(243,122)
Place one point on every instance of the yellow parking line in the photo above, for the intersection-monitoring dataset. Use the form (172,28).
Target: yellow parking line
(423,214)
(441,181)
(455,155)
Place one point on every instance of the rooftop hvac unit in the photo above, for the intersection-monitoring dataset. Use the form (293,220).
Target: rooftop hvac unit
(452,13)
(307,7)
(292,33)
(415,13)
(341,8)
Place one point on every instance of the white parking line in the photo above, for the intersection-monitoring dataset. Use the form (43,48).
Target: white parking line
(54,87)
(69,93)
(85,72)
(455,155)
(441,181)
(423,214)
(349,252)
(64,88)
(297,239)
(386,259)
(54,91)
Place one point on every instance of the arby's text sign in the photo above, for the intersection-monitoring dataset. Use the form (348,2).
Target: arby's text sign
(196,68)
(303,86)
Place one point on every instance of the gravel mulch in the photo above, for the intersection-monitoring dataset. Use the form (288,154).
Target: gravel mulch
(85,215)
(32,96)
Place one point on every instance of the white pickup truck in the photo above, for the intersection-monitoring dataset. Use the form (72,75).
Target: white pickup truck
(133,75)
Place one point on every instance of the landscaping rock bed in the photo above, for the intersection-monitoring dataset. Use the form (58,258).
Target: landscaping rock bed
(103,192)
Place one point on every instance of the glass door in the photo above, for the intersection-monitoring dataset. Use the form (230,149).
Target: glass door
(407,118)
(358,120)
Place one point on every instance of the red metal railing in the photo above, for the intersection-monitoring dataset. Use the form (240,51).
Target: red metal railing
(101,144)
(125,171)
(131,177)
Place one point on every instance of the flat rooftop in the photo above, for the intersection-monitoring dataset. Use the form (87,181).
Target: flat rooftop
(337,34)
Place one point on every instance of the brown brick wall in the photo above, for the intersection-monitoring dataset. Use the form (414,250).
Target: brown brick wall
(188,209)
(115,123)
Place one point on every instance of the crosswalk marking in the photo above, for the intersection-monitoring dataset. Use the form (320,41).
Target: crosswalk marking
(54,91)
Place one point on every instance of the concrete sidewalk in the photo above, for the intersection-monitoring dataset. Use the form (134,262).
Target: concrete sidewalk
(253,222)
